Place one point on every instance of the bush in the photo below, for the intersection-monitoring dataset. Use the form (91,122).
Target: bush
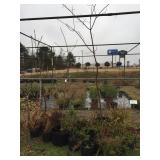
(30,90)
(70,94)
(60,138)
(93,92)
(115,136)
(78,102)
(108,91)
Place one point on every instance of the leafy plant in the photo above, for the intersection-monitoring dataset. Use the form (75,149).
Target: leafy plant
(70,94)
(108,91)
(93,92)
(30,90)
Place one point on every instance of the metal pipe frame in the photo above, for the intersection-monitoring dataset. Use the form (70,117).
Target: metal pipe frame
(80,16)
(89,45)
(62,78)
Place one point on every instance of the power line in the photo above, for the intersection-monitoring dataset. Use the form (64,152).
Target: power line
(80,16)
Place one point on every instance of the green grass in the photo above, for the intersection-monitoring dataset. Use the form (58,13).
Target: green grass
(39,148)
(89,74)
(132,91)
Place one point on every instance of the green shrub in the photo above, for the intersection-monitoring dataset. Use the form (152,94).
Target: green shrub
(78,102)
(108,91)
(93,92)
(30,90)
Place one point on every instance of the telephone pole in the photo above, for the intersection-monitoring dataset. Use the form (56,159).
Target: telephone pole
(82,59)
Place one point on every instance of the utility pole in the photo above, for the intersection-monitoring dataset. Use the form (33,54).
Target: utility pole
(52,61)
(82,59)
(112,60)
(124,64)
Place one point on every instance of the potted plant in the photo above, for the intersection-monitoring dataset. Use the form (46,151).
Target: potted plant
(36,125)
(108,93)
(47,132)
(89,145)
(77,134)
(93,96)
(89,148)
(74,142)
(59,136)
(36,131)
(63,103)
(78,102)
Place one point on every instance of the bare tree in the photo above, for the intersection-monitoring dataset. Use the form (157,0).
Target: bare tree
(36,48)
(89,26)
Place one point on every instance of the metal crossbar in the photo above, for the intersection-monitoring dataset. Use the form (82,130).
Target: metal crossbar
(89,45)
(80,16)
(63,78)
(100,55)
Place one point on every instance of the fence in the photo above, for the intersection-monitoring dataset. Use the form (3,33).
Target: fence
(125,76)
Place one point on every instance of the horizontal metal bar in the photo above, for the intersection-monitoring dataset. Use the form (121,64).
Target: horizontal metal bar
(89,45)
(80,16)
(116,85)
(132,48)
(101,55)
(63,78)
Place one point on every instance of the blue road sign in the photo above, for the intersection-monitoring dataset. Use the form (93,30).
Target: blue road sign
(112,51)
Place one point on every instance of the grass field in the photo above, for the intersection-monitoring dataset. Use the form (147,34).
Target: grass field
(132,91)
(111,72)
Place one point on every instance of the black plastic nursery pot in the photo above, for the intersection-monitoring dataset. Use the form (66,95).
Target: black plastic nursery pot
(92,134)
(63,106)
(47,137)
(36,132)
(60,138)
(77,106)
(89,148)
(74,143)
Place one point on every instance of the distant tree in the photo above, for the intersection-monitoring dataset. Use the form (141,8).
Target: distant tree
(70,59)
(25,58)
(78,65)
(87,64)
(97,64)
(107,64)
(44,58)
(23,50)
(59,62)
(118,64)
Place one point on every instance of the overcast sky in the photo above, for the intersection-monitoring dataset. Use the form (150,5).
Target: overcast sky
(115,29)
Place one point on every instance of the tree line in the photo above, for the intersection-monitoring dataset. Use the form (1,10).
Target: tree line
(45,59)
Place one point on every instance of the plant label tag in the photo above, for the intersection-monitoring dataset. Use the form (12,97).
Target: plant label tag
(133,101)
